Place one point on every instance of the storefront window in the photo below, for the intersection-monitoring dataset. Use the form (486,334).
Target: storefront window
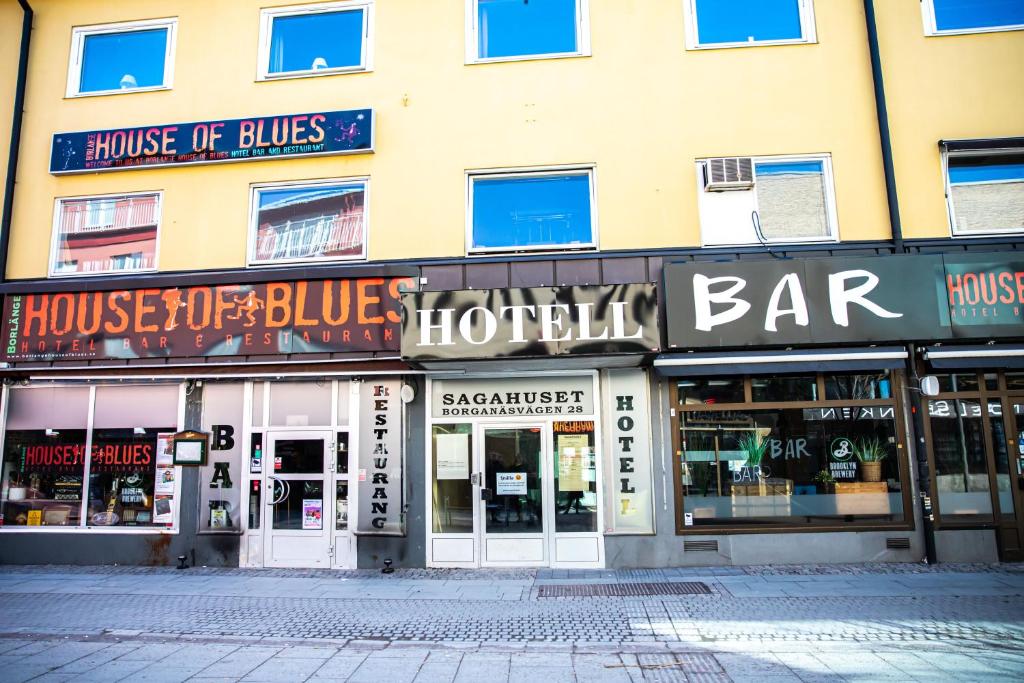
(452,488)
(575,477)
(958,448)
(710,391)
(858,387)
(808,463)
(119,475)
(958,382)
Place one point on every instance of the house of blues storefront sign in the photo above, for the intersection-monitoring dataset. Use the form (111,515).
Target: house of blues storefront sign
(204,142)
(874,299)
(305,316)
(540,321)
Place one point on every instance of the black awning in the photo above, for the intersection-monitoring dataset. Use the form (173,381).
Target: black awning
(982,143)
(755,362)
(975,357)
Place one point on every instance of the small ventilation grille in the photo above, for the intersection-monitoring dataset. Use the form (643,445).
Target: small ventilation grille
(623,590)
(700,546)
(897,543)
(734,173)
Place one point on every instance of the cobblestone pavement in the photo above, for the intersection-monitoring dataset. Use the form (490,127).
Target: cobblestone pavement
(899,622)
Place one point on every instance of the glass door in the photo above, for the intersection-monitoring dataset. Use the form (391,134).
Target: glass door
(1010,479)
(298,497)
(513,498)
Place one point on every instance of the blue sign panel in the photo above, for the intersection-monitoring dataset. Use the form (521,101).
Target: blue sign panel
(204,142)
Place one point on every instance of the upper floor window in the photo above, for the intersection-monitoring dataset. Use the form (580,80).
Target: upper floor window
(739,23)
(317,39)
(320,221)
(750,200)
(501,30)
(120,58)
(111,234)
(533,210)
(985,191)
(971,16)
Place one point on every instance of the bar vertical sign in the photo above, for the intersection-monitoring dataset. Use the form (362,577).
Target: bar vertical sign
(630,484)
(381,499)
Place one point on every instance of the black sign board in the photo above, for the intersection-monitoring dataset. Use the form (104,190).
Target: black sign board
(540,321)
(204,142)
(861,300)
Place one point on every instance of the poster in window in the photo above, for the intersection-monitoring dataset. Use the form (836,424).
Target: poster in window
(452,456)
(511,483)
(312,513)
(164,450)
(573,456)
(163,509)
(164,481)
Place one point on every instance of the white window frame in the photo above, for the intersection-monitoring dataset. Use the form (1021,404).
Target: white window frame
(590,170)
(256,188)
(55,233)
(473,41)
(931,27)
(807,29)
(947,186)
(79,35)
(831,214)
(267,17)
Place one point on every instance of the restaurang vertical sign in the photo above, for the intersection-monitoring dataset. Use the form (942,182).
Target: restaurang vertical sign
(381,486)
(630,483)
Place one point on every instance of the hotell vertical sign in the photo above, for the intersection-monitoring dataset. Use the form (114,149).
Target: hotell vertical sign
(304,316)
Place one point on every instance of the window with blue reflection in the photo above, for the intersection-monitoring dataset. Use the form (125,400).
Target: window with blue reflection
(532,211)
(986,192)
(514,28)
(744,21)
(792,199)
(124,60)
(956,15)
(311,42)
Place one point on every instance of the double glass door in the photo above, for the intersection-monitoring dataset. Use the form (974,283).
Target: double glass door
(298,506)
(517,494)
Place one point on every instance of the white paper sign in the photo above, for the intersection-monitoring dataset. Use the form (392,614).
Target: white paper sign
(452,456)
(511,483)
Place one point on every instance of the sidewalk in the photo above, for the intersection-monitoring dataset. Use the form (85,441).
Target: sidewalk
(904,622)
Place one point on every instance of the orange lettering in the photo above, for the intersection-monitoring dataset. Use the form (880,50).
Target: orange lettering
(141,309)
(122,315)
(300,306)
(279,299)
(366,300)
(36,314)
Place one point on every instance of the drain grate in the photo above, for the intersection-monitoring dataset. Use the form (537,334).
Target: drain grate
(581,590)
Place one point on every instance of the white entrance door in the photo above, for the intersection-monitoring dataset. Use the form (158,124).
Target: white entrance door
(298,509)
(514,501)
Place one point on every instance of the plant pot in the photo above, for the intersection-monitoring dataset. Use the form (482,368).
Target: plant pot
(871,471)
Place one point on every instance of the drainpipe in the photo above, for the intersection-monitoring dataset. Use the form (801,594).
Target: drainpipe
(12,159)
(920,447)
(883,128)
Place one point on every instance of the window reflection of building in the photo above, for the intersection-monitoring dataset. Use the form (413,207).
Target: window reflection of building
(107,234)
(317,223)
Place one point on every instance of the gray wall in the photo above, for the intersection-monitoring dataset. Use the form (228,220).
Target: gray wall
(410,550)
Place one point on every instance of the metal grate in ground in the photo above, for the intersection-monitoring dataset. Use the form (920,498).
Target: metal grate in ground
(579,590)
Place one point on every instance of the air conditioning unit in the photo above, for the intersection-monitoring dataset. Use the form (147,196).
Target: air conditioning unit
(733,173)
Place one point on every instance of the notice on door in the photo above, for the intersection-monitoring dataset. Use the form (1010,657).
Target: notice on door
(573,455)
(312,513)
(452,454)
(511,483)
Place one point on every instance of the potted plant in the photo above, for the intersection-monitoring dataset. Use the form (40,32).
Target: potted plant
(824,481)
(755,445)
(870,452)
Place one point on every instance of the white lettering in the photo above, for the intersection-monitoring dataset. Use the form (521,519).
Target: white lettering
(840,298)
(703,297)
(796,296)
(549,322)
(584,314)
(466,325)
(619,322)
(518,333)
(445,326)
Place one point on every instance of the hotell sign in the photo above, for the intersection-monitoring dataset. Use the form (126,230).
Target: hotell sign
(539,321)
(304,316)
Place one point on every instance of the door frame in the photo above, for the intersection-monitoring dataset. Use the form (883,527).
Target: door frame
(1012,425)
(474,538)
(325,541)
(546,474)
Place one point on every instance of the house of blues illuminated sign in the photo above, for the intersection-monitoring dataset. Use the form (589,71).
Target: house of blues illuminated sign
(204,142)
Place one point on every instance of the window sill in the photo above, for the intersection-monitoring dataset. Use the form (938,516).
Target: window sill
(554,249)
(128,531)
(528,58)
(101,273)
(292,75)
(104,93)
(990,233)
(850,527)
(774,243)
(756,43)
(300,262)
(970,31)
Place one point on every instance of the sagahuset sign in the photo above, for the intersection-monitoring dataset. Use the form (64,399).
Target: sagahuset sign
(204,142)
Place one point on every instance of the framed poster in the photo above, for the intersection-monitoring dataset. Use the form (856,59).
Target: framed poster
(190,448)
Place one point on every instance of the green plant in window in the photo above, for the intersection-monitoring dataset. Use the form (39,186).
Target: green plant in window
(823,478)
(870,449)
(755,445)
